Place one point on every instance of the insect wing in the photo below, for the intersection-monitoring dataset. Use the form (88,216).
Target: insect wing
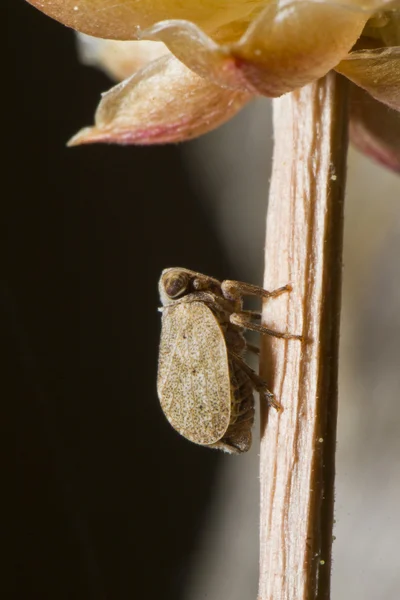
(193,373)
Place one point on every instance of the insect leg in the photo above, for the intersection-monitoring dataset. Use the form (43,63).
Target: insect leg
(233,290)
(257,381)
(252,348)
(240,320)
(255,314)
(228,448)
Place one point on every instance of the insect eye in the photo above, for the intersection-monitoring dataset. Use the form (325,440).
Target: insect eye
(176,285)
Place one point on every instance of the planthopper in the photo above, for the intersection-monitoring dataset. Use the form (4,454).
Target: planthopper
(204,385)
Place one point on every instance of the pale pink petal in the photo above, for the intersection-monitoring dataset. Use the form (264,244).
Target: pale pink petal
(118,59)
(164,102)
(375,129)
(377,71)
(287,46)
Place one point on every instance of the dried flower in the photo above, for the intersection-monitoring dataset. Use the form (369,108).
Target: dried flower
(222,54)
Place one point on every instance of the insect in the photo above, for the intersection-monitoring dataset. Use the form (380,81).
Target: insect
(204,385)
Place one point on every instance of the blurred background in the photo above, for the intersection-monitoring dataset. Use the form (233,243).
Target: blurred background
(112,504)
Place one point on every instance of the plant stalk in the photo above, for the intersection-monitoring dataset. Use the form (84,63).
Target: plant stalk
(303,247)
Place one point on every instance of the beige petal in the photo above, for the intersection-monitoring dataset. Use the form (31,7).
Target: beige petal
(375,129)
(164,102)
(287,46)
(384,27)
(121,20)
(376,5)
(118,59)
(377,71)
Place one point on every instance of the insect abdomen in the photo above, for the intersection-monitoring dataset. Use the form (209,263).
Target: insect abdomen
(238,434)
(242,398)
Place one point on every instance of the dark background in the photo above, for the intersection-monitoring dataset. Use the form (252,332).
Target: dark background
(110,500)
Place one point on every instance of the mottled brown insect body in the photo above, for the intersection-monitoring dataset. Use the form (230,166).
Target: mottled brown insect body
(204,385)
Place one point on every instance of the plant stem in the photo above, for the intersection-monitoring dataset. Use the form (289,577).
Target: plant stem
(304,248)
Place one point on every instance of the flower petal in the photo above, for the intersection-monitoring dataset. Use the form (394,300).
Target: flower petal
(375,129)
(118,59)
(121,20)
(287,46)
(377,71)
(384,27)
(164,102)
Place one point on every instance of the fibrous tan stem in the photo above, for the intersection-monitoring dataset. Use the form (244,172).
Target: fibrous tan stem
(303,248)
